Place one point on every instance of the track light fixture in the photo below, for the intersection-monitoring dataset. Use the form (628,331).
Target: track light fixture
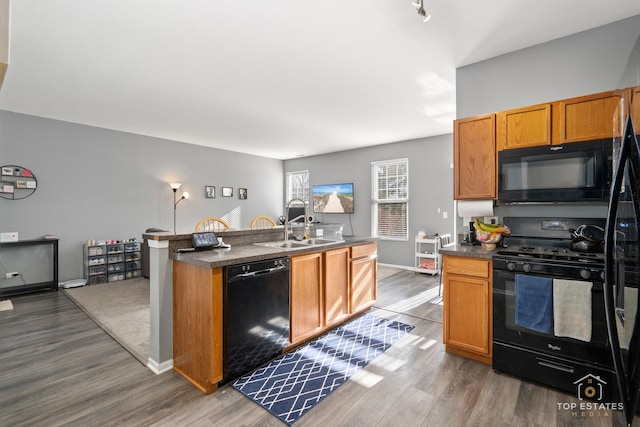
(420,5)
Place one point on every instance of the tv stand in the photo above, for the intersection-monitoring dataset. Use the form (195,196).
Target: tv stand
(51,285)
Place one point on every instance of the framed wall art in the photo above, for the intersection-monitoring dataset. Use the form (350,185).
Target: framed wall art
(210,191)
(227,191)
(242,193)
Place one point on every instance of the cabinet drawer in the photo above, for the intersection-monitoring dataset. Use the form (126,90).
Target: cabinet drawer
(474,267)
(367,249)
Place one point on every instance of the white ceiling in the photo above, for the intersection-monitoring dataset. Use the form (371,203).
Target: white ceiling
(277,78)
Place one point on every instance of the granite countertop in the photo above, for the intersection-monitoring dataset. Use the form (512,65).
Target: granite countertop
(468,251)
(240,254)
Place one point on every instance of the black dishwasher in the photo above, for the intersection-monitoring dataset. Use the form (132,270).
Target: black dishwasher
(256,315)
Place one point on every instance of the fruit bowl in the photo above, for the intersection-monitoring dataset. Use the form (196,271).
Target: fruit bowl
(488,237)
(489,234)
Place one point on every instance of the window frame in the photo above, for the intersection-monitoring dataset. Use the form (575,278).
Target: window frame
(376,201)
(288,187)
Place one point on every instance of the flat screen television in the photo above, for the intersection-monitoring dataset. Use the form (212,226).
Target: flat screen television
(332,198)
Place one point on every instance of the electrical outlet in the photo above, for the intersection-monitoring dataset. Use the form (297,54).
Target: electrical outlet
(12,274)
(490,220)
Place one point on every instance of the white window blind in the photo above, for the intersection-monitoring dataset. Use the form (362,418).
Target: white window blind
(390,183)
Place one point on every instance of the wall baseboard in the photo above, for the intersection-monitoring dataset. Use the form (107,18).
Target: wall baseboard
(160,368)
(402,267)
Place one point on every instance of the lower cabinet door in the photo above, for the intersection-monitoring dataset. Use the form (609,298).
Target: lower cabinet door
(336,286)
(363,283)
(306,296)
(467,319)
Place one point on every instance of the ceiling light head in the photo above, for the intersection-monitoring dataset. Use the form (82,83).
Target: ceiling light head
(424,14)
(420,5)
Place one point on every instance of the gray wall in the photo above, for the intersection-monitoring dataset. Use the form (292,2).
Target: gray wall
(430,188)
(593,61)
(100,184)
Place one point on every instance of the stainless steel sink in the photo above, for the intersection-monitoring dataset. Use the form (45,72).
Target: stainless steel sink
(318,241)
(297,244)
(282,244)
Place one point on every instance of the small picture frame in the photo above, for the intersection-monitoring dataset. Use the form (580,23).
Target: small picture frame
(210,191)
(7,170)
(227,191)
(242,193)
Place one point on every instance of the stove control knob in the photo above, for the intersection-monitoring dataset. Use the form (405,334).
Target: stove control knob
(602,275)
(511,266)
(526,268)
(585,274)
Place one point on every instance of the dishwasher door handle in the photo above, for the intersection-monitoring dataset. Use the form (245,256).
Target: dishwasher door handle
(257,273)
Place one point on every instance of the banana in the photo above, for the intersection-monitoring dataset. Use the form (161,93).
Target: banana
(481,226)
(489,228)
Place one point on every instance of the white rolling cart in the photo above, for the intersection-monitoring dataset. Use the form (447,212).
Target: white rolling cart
(427,259)
(429,250)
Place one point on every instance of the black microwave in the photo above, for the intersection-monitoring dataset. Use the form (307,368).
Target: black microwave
(575,172)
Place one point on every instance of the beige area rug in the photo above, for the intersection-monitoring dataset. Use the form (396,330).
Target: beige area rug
(6,305)
(121,309)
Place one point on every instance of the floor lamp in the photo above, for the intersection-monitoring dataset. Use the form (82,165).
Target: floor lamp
(185,195)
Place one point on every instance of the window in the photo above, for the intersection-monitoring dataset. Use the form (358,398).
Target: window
(390,183)
(298,186)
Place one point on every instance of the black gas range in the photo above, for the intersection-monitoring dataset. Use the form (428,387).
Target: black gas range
(541,249)
(543,246)
(550,260)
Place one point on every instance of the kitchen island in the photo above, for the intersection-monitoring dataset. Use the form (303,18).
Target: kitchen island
(329,285)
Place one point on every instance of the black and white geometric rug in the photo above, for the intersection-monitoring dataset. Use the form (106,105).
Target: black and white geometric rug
(293,383)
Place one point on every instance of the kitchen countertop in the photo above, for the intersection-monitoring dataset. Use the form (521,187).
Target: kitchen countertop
(240,254)
(468,251)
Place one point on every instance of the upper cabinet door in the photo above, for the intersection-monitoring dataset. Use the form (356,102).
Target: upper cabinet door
(588,117)
(474,158)
(635,108)
(524,127)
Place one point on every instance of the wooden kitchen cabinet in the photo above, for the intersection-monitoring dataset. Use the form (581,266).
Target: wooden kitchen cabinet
(635,108)
(197,324)
(306,296)
(586,118)
(336,286)
(328,288)
(467,311)
(524,127)
(474,158)
(363,276)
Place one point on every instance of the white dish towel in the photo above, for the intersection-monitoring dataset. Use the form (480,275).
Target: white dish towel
(572,309)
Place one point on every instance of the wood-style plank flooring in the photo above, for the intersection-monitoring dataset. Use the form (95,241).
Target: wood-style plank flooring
(57,367)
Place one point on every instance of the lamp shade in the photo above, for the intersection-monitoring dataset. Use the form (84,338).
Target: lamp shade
(175,185)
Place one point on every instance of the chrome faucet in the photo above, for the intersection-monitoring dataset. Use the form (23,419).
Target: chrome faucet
(286,218)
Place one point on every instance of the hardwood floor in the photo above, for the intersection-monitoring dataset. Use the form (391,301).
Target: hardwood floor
(57,367)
